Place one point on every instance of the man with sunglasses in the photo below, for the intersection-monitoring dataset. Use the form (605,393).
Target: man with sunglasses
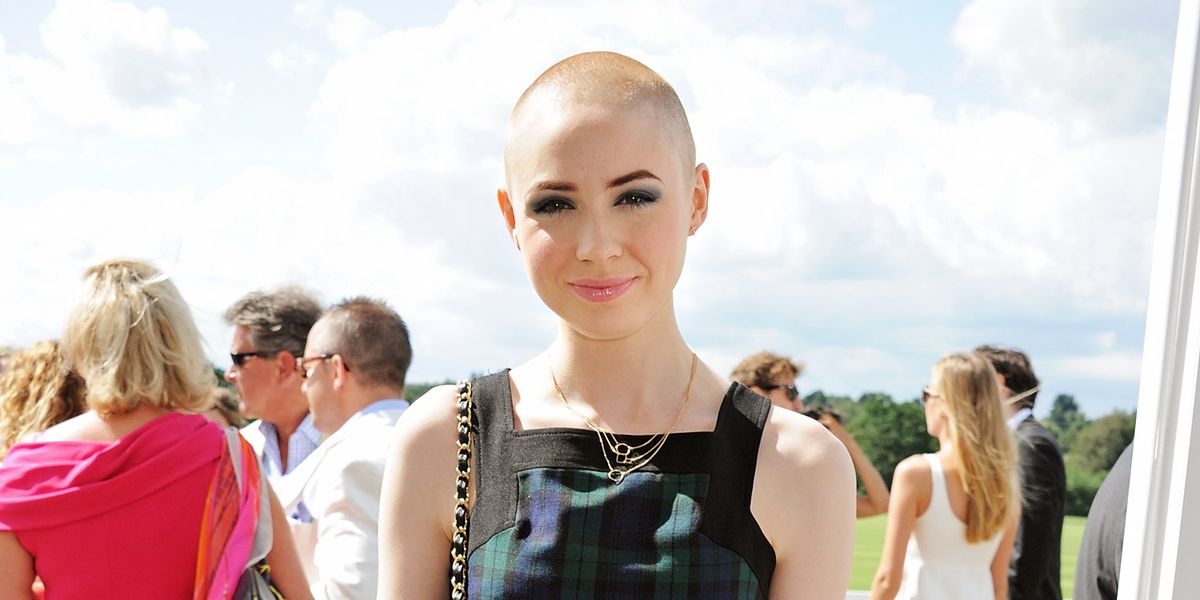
(270,329)
(354,366)
(1034,568)
(774,377)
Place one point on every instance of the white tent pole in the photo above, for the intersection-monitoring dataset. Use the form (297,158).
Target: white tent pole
(1162,541)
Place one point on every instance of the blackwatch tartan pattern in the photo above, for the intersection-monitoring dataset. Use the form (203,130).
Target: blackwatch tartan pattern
(579,536)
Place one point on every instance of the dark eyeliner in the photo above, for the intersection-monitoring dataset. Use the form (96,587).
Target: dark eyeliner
(638,197)
(550,205)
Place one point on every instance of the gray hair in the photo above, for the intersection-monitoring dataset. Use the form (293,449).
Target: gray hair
(278,320)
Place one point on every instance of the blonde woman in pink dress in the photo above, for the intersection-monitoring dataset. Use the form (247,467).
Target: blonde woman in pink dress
(114,503)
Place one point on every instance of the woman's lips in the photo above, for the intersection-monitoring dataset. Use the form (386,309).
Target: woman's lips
(602,290)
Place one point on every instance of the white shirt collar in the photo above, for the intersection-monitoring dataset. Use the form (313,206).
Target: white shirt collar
(1019,416)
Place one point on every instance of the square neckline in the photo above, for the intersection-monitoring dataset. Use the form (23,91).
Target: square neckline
(509,418)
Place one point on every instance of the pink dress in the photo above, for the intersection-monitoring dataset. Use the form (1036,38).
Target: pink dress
(115,519)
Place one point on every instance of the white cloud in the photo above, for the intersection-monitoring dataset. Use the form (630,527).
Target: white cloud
(1093,65)
(889,210)
(294,61)
(855,223)
(111,69)
(346,28)
(1107,366)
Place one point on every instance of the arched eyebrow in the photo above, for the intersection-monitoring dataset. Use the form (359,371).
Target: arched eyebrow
(566,186)
(553,186)
(634,176)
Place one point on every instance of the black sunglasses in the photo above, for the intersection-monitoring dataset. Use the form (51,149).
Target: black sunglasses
(926,395)
(240,358)
(792,391)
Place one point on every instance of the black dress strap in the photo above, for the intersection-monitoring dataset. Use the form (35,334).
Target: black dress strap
(492,395)
(733,459)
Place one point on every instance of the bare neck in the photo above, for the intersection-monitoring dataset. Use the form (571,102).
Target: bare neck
(352,402)
(293,409)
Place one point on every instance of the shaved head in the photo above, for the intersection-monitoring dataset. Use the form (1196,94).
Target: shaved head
(604,80)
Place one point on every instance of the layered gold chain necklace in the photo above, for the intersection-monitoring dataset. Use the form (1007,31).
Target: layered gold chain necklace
(627,458)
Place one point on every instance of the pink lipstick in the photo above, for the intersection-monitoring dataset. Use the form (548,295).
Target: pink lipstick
(601,290)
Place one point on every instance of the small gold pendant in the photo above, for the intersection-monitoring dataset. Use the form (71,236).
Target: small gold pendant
(622,451)
(616,476)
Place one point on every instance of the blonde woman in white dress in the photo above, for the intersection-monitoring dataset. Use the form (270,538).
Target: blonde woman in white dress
(953,515)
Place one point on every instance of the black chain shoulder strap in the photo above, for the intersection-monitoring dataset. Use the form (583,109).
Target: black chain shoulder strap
(462,514)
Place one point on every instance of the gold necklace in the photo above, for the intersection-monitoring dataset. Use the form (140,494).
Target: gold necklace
(624,453)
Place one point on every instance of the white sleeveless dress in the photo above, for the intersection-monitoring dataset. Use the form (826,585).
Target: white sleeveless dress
(939,563)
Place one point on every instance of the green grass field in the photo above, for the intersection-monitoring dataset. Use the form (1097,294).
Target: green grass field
(868,545)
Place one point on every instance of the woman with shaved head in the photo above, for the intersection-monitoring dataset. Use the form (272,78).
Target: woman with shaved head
(615,464)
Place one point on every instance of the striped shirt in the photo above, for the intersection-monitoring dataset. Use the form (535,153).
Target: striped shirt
(300,444)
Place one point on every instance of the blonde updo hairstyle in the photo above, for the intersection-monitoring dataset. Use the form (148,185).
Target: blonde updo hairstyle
(983,445)
(133,340)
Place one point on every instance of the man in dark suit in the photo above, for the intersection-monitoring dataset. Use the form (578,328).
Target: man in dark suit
(1033,572)
(1099,563)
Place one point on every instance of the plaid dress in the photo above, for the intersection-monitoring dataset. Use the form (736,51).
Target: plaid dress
(548,523)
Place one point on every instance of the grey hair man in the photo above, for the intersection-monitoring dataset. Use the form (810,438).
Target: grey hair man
(270,330)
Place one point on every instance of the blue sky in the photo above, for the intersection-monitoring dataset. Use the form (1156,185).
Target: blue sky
(892,181)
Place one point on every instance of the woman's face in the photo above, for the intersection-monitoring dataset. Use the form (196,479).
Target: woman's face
(601,206)
(935,411)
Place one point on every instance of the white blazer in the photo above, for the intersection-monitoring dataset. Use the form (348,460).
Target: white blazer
(303,534)
(339,485)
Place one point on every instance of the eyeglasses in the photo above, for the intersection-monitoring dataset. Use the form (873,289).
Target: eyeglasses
(302,363)
(240,358)
(792,391)
(926,395)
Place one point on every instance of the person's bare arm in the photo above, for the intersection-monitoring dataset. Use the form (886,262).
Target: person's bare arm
(910,486)
(286,572)
(1000,561)
(417,506)
(803,500)
(876,500)
(16,568)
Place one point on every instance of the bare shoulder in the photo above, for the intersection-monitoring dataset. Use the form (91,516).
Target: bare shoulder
(424,447)
(429,414)
(804,502)
(912,486)
(793,441)
(417,501)
(84,427)
(801,469)
(912,470)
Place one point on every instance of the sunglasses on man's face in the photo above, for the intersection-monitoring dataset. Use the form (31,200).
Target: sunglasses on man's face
(240,358)
(792,391)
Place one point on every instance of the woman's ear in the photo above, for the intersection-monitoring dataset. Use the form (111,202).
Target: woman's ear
(510,218)
(700,187)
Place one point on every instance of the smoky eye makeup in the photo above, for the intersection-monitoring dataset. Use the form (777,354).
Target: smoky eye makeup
(549,205)
(638,197)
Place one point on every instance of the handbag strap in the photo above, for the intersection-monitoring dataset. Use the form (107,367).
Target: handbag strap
(462,485)
(232,520)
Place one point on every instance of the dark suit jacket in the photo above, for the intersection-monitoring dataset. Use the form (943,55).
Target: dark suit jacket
(1033,572)
(1100,552)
